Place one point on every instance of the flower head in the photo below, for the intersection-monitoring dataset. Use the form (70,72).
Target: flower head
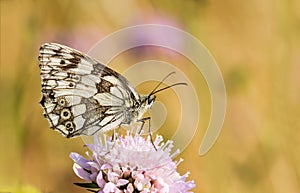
(132,164)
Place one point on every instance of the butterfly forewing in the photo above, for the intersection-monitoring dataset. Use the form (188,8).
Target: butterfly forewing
(80,95)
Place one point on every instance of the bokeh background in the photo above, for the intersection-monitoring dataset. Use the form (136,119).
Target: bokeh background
(256,44)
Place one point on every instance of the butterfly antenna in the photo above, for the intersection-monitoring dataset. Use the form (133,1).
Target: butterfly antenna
(153,91)
(176,84)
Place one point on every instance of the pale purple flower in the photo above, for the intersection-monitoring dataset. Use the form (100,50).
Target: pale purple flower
(132,164)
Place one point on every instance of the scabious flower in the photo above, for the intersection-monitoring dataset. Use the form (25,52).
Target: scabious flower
(131,164)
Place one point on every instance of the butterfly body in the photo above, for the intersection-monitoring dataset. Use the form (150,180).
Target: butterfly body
(81,96)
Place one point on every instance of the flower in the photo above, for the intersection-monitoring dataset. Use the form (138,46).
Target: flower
(131,164)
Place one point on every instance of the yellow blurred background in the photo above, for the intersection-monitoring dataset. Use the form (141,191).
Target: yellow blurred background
(256,44)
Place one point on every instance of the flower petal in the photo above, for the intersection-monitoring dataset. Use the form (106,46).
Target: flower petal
(129,188)
(80,172)
(122,182)
(109,187)
(100,181)
(112,176)
(106,166)
(80,160)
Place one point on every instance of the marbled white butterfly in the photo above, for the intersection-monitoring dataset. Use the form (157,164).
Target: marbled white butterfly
(81,96)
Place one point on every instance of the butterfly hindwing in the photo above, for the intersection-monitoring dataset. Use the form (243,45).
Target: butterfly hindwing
(80,95)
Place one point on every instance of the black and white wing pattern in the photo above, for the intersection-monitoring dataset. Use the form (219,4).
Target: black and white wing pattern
(80,96)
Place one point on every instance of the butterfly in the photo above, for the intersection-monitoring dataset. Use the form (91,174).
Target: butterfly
(81,96)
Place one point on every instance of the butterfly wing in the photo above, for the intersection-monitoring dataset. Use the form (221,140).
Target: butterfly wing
(80,96)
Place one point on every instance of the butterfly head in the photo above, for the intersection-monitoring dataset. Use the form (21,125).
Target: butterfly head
(150,99)
(147,101)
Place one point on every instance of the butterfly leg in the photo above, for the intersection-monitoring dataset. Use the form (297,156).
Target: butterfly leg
(143,120)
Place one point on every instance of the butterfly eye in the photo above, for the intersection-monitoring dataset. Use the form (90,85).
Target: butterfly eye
(65,114)
(69,126)
(151,100)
